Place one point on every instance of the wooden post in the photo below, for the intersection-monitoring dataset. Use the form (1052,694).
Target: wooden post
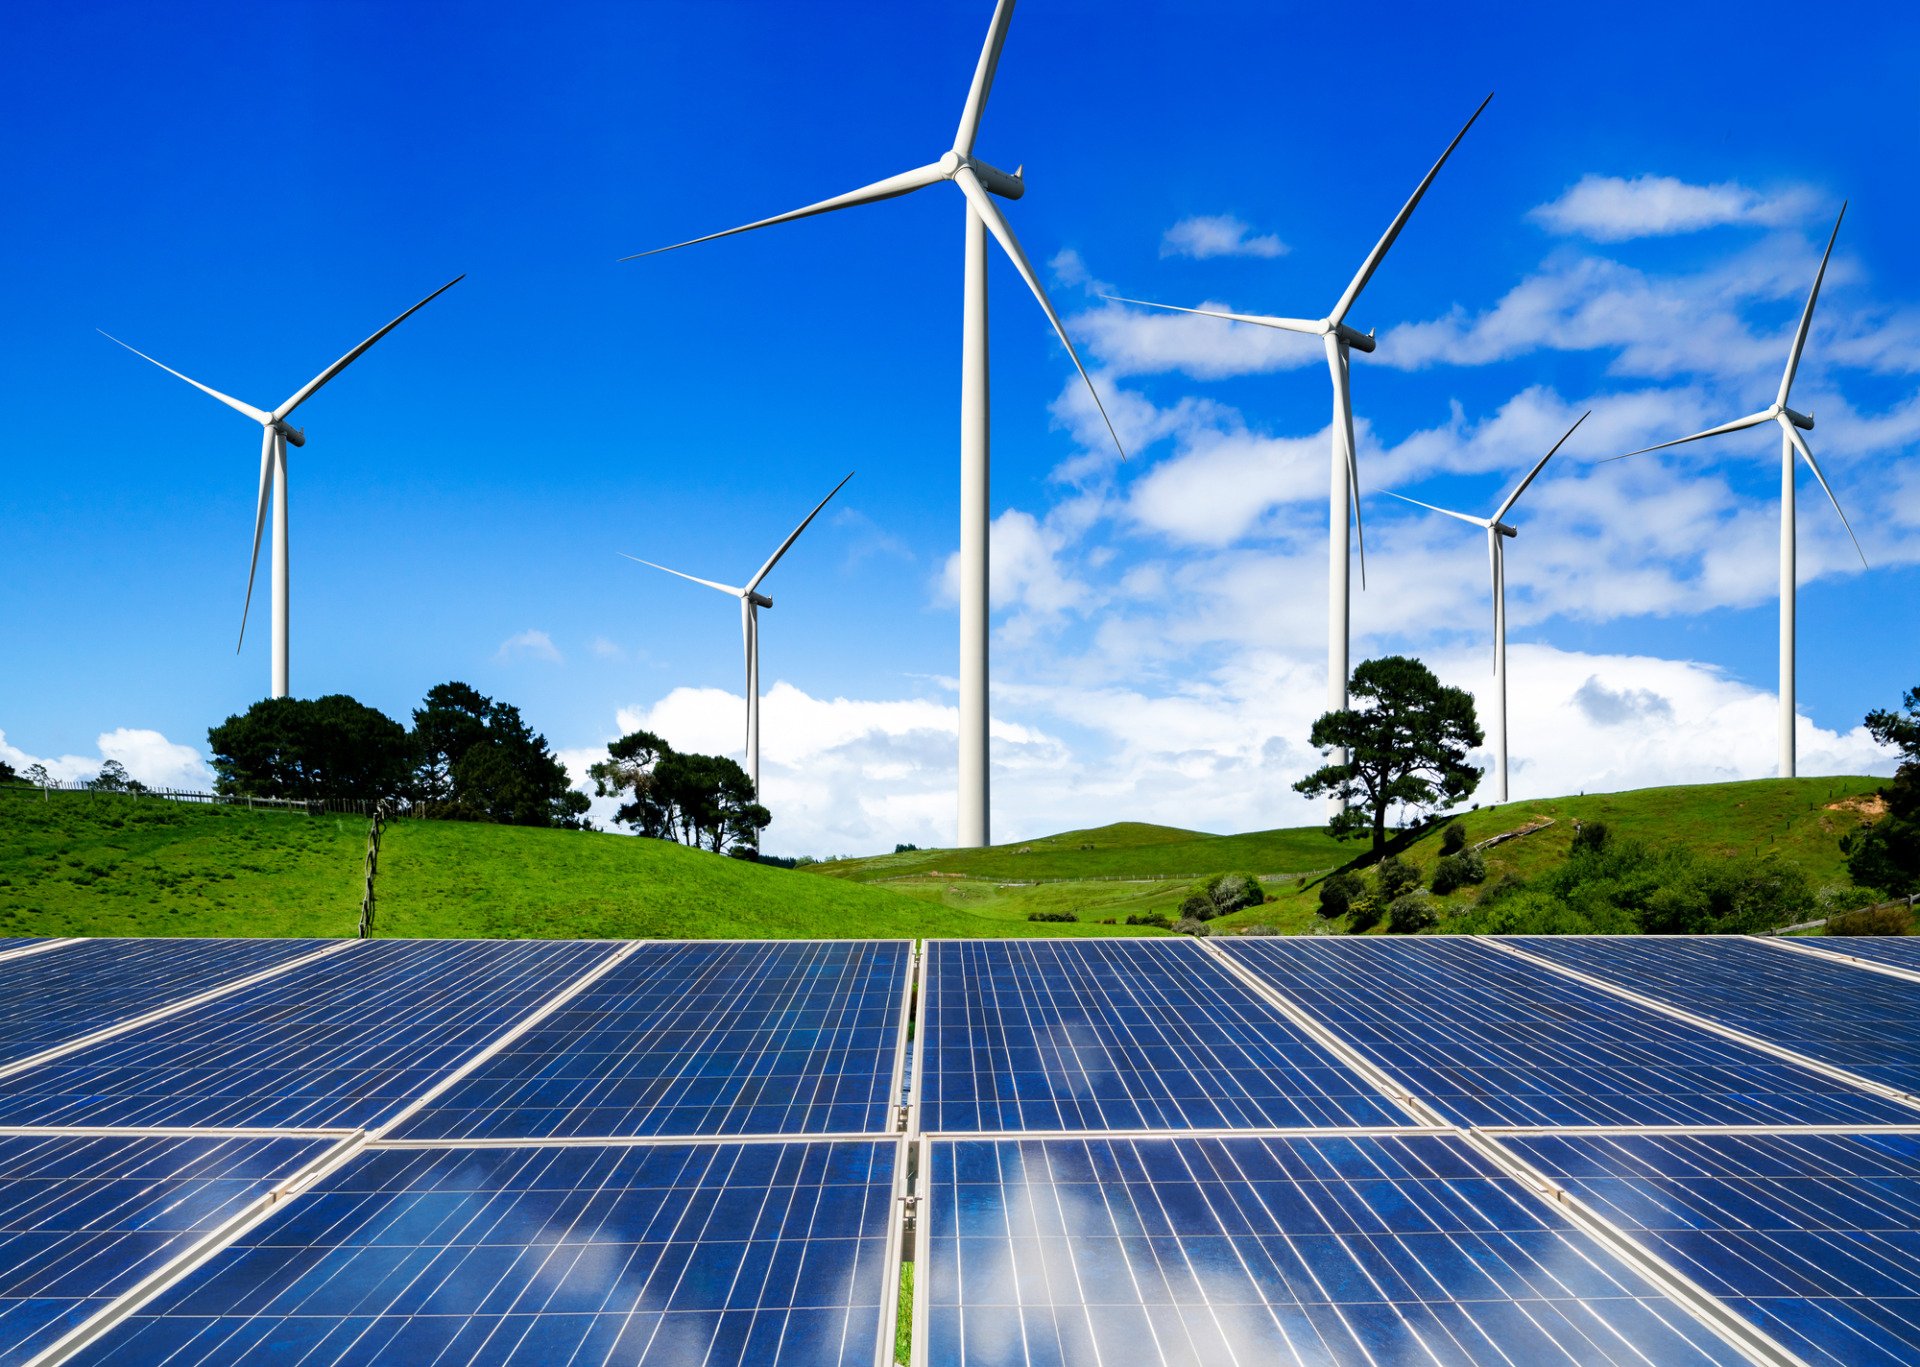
(373,864)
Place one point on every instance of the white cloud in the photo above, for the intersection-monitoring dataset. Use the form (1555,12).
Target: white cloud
(1146,341)
(1207,235)
(529,645)
(148,756)
(602,648)
(1615,208)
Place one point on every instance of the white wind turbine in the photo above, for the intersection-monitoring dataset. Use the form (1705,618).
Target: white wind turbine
(979,182)
(1791,424)
(1497,531)
(1343,492)
(751,601)
(275,436)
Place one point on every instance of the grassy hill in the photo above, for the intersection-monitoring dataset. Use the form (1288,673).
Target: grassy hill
(100,865)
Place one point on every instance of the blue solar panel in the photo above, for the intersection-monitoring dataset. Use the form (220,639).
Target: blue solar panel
(344,1041)
(83,1219)
(62,994)
(1896,951)
(10,944)
(701,1038)
(1866,1022)
(674,1255)
(1813,1238)
(1117,1034)
(1488,1039)
(1264,1250)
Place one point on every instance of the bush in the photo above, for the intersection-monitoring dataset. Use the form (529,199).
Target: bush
(1736,895)
(1893,920)
(1411,913)
(905,849)
(1198,906)
(1337,894)
(1453,839)
(1232,891)
(1260,928)
(1456,871)
(1051,916)
(1148,918)
(1591,837)
(1364,915)
(1189,925)
(1394,878)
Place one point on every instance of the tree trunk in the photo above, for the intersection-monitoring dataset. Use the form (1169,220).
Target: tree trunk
(1379,826)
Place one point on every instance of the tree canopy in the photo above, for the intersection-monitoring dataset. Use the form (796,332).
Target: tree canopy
(476,759)
(1407,737)
(1886,855)
(706,801)
(324,747)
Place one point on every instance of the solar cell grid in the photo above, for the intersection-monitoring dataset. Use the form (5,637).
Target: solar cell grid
(343,1041)
(1868,1023)
(63,994)
(1896,951)
(701,1038)
(677,1255)
(1813,1238)
(1117,1034)
(1256,1249)
(1489,1039)
(84,1219)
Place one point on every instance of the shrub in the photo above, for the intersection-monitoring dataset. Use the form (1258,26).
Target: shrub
(1051,916)
(905,849)
(1893,920)
(1232,891)
(1740,894)
(1198,906)
(1364,914)
(1148,918)
(1260,928)
(1189,925)
(1455,871)
(1393,877)
(1591,837)
(1337,894)
(1453,839)
(1835,900)
(1411,913)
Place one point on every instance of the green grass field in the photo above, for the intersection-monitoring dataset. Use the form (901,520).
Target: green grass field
(110,865)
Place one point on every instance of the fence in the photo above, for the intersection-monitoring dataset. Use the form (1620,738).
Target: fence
(316,806)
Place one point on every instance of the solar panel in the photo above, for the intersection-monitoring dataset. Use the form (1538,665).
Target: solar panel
(49,998)
(702,1038)
(1866,1022)
(1488,1039)
(1896,951)
(1813,1238)
(667,1254)
(13,944)
(1256,1249)
(343,1041)
(85,1218)
(1096,1034)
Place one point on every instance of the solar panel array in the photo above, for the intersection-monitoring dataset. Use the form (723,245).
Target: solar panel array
(1157,1151)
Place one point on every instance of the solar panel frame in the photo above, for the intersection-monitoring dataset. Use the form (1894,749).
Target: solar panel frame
(688,1037)
(17,946)
(1899,953)
(1487,1038)
(1252,1076)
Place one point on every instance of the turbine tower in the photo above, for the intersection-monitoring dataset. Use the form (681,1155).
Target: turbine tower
(751,601)
(276,434)
(1343,476)
(978,182)
(1497,531)
(1791,425)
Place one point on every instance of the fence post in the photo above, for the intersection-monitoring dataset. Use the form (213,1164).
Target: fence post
(373,863)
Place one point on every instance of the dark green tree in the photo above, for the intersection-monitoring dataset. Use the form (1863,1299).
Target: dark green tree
(1406,737)
(451,721)
(476,759)
(1886,855)
(706,801)
(628,772)
(310,748)
(8,774)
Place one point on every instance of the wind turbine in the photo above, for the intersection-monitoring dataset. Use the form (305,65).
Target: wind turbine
(751,601)
(978,182)
(276,434)
(1791,425)
(1497,530)
(1343,496)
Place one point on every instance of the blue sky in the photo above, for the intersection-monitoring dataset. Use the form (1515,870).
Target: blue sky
(245,191)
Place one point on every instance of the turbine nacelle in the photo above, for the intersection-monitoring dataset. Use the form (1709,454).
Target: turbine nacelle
(1803,421)
(992,178)
(1359,341)
(293,436)
(759,600)
(1505,530)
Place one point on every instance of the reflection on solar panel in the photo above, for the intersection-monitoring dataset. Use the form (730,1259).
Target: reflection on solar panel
(62,994)
(1489,1039)
(1897,951)
(669,1254)
(702,1038)
(82,1219)
(1866,1022)
(1812,1238)
(1117,1034)
(1256,1250)
(346,1040)
(10,944)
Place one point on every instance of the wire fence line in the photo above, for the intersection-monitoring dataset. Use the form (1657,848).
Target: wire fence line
(307,806)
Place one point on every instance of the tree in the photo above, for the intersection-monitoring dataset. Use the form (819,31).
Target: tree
(8,774)
(1406,739)
(113,778)
(451,722)
(324,747)
(1886,855)
(476,759)
(628,769)
(706,801)
(38,776)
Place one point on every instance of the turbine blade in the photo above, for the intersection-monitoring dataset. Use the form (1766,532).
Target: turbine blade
(1751,420)
(794,535)
(1379,252)
(1514,497)
(1343,406)
(983,78)
(256,414)
(1432,508)
(1806,314)
(267,437)
(312,387)
(890,188)
(1257,319)
(1800,442)
(996,222)
(723,588)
